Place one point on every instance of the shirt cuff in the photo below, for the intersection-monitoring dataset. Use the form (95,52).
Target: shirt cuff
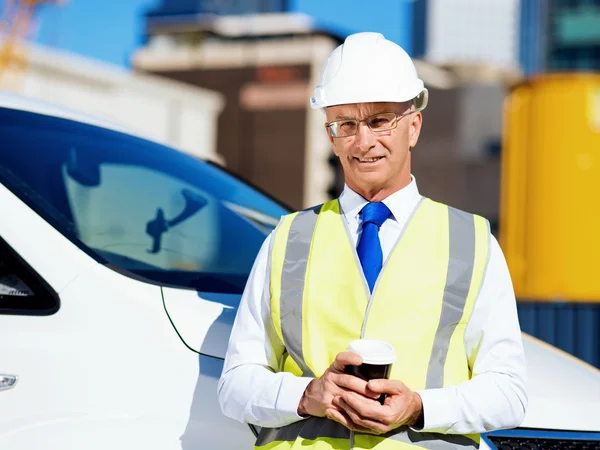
(438,410)
(289,396)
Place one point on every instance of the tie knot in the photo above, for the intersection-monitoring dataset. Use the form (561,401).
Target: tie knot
(375,212)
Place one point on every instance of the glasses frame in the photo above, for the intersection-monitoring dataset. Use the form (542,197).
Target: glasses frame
(366,120)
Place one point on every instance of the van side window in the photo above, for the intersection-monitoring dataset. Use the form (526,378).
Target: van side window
(22,291)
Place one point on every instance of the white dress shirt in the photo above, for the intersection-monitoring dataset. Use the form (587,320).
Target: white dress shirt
(252,390)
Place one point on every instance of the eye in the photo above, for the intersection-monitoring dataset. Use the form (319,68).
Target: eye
(379,121)
(341,128)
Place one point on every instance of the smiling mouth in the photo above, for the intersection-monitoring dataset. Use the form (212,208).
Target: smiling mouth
(368,160)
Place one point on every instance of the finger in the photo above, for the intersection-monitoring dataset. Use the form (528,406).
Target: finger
(385,414)
(365,407)
(383,386)
(346,359)
(349,411)
(352,383)
(340,416)
(371,425)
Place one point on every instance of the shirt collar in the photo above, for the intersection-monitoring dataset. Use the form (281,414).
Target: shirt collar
(401,203)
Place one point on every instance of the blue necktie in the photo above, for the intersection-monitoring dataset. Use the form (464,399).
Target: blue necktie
(369,248)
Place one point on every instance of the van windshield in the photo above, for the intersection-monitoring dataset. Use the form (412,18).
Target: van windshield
(139,207)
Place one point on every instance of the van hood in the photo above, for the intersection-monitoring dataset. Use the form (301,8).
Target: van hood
(564,392)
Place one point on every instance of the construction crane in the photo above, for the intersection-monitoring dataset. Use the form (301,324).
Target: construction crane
(15,26)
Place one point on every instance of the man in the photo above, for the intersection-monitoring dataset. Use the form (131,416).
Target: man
(381,262)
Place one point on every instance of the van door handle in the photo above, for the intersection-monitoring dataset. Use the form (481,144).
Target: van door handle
(7,381)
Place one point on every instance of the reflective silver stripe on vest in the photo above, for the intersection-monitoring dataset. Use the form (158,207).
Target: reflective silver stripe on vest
(292,283)
(311,429)
(319,427)
(432,441)
(460,270)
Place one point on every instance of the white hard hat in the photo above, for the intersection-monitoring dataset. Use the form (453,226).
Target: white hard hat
(368,68)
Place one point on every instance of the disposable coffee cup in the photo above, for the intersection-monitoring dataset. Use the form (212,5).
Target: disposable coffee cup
(377,356)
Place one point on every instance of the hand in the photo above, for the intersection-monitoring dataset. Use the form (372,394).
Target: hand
(401,407)
(319,395)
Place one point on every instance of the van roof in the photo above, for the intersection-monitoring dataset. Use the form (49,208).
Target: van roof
(22,103)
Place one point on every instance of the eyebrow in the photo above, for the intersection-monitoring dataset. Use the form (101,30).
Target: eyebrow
(342,117)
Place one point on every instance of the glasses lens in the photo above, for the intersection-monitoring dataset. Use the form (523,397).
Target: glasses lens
(343,128)
(382,122)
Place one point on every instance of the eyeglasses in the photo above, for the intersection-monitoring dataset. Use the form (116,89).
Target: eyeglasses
(377,122)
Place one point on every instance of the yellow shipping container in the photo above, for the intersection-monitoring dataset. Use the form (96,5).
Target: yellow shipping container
(550,193)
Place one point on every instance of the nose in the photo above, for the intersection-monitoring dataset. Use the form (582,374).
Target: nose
(365,139)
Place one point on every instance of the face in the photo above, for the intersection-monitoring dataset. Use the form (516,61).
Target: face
(375,164)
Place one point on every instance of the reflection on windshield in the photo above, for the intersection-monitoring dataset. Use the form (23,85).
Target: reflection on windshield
(265,222)
(159,225)
(139,206)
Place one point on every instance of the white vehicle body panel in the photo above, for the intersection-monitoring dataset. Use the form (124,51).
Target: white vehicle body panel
(564,392)
(106,370)
(19,222)
(204,320)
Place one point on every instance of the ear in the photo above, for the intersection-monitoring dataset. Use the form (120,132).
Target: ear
(335,149)
(415,129)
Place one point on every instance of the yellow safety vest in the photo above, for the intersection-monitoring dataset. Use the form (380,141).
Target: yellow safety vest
(421,304)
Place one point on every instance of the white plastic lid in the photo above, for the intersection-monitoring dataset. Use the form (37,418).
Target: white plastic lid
(373,351)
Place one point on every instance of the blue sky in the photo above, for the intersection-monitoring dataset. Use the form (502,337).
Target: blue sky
(104,29)
(110,30)
(390,17)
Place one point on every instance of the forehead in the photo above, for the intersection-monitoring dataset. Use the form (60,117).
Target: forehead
(360,110)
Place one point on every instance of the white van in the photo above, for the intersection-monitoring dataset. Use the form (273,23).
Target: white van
(121,266)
